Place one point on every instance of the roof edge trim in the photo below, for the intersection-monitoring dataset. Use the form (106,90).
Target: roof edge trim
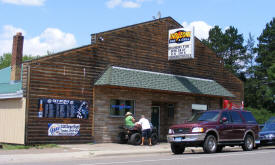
(137,24)
(18,94)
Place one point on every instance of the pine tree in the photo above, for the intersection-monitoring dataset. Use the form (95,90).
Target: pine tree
(250,57)
(265,71)
(228,46)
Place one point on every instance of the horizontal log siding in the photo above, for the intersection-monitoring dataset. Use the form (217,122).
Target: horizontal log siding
(67,76)
(143,46)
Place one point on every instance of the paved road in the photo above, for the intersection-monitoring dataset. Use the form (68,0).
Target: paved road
(256,157)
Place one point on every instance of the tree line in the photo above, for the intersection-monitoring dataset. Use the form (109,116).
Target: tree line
(253,64)
(5,60)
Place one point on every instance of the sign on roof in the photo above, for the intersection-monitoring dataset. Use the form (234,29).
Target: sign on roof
(180,44)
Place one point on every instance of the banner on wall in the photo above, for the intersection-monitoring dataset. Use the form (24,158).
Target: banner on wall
(181,44)
(62,108)
(56,129)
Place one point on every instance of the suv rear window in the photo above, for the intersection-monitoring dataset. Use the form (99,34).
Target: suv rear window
(248,117)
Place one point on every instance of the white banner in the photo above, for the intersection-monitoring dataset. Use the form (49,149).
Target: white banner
(200,107)
(55,129)
(180,44)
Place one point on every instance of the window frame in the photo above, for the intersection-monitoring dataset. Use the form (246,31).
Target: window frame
(250,115)
(171,111)
(202,108)
(120,116)
(229,120)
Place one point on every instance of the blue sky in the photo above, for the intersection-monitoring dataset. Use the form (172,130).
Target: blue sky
(56,25)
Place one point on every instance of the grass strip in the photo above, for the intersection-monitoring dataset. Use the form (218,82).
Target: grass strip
(16,147)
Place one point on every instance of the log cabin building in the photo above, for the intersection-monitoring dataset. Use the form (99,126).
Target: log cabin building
(81,95)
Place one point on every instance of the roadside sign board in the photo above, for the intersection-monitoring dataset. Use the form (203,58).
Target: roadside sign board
(181,44)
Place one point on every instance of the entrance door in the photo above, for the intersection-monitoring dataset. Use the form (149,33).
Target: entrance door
(155,115)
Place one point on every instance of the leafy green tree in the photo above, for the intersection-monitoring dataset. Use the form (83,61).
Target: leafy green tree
(255,66)
(251,84)
(261,115)
(5,60)
(250,57)
(265,70)
(215,41)
(234,55)
(228,46)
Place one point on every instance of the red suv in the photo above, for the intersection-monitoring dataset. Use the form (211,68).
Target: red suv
(215,129)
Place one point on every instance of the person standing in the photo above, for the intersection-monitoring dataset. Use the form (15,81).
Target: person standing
(129,120)
(146,129)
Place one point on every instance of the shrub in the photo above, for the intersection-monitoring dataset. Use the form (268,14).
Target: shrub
(261,115)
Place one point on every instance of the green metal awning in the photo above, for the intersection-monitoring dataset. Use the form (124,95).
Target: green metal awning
(124,77)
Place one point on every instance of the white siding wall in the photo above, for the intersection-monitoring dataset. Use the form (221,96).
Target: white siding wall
(12,121)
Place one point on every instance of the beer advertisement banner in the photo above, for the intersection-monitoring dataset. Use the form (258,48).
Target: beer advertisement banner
(61,108)
(56,129)
(181,44)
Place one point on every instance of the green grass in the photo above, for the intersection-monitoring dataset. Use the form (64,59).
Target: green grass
(16,147)
(90,143)
(41,146)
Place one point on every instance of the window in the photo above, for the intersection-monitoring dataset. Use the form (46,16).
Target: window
(236,118)
(268,127)
(249,118)
(171,111)
(198,108)
(121,107)
(205,116)
(226,114)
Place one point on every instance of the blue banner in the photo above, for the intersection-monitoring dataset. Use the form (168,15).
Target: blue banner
(61,108)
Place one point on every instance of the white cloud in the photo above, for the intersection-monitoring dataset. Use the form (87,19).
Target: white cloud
(226,28)
(201,28)
(25,2)
(113,3)
(128,3)
(9,30)
(51,39)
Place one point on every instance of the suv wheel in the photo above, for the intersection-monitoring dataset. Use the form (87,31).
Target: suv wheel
(210,144)
(248,143)
(177,149)
(135,139)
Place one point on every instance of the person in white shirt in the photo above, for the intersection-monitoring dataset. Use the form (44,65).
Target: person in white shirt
(146,129)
